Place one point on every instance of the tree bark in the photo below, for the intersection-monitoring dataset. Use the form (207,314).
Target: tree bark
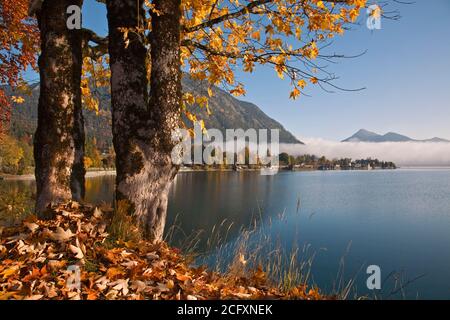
(59,138)
(143,122)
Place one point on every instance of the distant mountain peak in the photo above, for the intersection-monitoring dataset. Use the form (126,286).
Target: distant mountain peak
(395,137)
(365,131)
(436,139)
(364,135)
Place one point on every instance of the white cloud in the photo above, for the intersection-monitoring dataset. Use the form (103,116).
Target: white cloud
(402,153)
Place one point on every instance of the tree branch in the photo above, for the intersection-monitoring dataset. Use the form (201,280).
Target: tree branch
(247,9)
(34,7)
(94,51)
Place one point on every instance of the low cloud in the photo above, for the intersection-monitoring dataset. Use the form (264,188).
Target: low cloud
(402,153)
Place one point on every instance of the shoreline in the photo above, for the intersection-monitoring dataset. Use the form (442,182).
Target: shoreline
(101,173)
(28,177)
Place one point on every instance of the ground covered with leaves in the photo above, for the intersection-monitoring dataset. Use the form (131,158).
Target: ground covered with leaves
(72,256)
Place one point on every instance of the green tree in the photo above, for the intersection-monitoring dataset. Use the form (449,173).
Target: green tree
(11,155)
(28,160)
(284,158)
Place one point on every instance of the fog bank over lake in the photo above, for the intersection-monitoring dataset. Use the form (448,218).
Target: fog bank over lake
(402,153)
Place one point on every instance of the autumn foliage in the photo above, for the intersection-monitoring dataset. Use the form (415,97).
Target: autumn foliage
(19,42)
(220,37)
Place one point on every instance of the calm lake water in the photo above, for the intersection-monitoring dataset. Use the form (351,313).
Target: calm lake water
(398,220)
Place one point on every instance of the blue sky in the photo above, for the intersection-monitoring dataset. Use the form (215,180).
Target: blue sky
(405,71)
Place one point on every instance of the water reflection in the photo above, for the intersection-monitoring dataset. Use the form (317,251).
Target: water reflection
(16,201)
(399,220)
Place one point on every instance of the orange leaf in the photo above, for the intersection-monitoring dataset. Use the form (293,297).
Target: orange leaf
(183,277)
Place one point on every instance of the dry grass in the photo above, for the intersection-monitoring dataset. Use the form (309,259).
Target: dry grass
(35,256)
(254,250)
(122,226)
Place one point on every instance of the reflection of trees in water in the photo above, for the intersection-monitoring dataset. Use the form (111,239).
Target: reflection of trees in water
(100,189)
(209,202)
(218,204)
(17,197)
(16,201)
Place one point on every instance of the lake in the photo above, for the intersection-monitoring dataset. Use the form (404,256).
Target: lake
(398,220)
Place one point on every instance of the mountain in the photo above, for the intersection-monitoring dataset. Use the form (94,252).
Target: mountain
(368,136)
(395,137)
(227,112)
(436,139)
(363,135)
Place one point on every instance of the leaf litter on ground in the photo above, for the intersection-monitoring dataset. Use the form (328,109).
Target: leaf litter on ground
(38,259)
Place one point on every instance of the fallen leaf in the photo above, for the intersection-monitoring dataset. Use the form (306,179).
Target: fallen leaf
(162,287)
(74,205)
(112,294)
(60,235)
(138,286)
(9,272)
(31,226)
(2,250)
(115,272)
(6,295)
(130,264)
(73,295)
(33,275)
(97,213)
(34,297)
(121,285)
(152,256)
(102,283)
(56,264)
(147,272)
(76,251)
(183,277)
(92,295)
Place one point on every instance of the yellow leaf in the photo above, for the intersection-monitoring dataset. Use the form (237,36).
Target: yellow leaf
(9,272)
(6,295)
(301,83)
(18,100)
(294,94)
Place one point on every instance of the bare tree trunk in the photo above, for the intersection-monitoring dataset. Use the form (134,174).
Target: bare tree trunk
(59,138)
(142,125)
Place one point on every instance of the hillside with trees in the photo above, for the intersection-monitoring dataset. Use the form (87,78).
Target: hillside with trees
(225,111)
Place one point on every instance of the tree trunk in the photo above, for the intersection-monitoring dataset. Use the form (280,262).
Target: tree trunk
(142,125)
(59,138)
